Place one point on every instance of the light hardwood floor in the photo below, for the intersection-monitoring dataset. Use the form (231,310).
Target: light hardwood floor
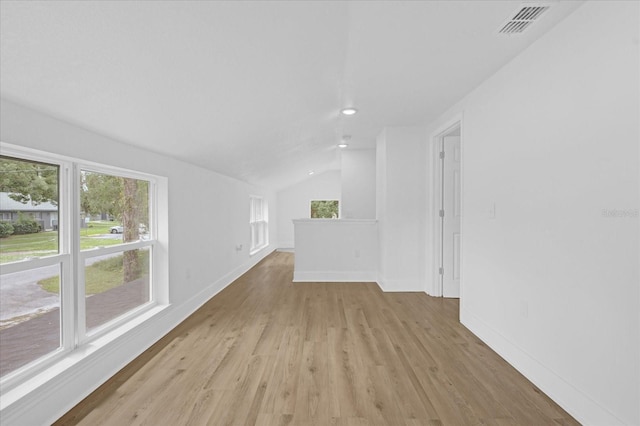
(266,351)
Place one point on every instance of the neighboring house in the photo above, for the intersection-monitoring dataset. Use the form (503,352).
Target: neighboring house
(46,214)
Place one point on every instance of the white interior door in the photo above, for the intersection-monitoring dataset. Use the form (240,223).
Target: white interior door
(451,221)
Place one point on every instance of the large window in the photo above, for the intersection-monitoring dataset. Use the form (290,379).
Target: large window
(258,223)
(75,256)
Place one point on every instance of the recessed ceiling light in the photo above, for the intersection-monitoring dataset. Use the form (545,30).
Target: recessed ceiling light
(348,111)
(311,172)
(343,143)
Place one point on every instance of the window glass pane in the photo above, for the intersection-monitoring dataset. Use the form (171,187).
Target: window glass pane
(29,316)
(254,236)
(115,284)
(113,210)
(29,207)
(258,216)
(324,209)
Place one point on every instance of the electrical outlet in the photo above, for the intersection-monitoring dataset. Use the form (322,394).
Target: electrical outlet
(492,211)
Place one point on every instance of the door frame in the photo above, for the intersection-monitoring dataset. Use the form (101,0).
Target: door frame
(435,236)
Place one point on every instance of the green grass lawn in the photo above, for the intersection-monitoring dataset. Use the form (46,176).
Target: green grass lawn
(18,247)
(102,275)
(97,228)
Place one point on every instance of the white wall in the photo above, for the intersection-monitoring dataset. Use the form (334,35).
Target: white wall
(336,250)
(358,184)
(400,205)
(208,216)
(551,283)
(294,202)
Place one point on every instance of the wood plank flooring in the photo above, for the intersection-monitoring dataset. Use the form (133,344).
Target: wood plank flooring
(266,351)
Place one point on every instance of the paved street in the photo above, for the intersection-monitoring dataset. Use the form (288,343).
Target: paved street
(20,294)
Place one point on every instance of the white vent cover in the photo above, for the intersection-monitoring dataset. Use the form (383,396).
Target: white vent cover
(525,17)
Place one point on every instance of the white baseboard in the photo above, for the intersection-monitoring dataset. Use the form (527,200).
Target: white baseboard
(381,283)
(400,286)
(580,406)
(335,276)
(286,245)
(45,398)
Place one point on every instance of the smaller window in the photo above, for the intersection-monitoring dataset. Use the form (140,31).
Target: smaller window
(258,223)
(324,209)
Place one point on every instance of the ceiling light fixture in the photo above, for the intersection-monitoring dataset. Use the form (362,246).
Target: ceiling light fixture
(343,143)
(311,172)
(348,111)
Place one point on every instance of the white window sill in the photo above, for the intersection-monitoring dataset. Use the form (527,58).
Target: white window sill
(258,249)
(75,357)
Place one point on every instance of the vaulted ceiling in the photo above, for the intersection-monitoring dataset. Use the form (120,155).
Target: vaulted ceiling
(253,89)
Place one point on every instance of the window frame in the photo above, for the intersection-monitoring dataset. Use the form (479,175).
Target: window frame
(258,224)
(70,257)
(84,336)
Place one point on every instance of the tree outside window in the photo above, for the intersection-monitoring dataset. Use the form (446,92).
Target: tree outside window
(324,209)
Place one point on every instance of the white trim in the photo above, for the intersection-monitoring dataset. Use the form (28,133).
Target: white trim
(382,283)
(11,150)
(401,286)
(32,263)
(436,193)
(101,251)
(286,249)
(335,276)
(258,249)
(286,245)
(105,169)
(583,408)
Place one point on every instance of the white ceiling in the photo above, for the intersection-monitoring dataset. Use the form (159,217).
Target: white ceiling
(253,89)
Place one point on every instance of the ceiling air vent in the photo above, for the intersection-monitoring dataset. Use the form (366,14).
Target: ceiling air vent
(525,17)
